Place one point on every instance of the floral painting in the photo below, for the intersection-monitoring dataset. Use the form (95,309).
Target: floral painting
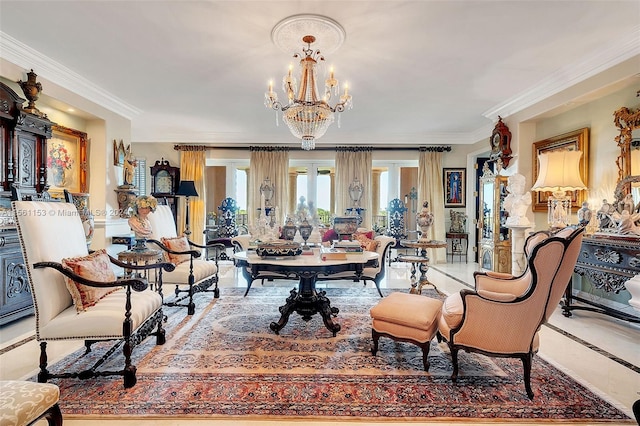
(67,161)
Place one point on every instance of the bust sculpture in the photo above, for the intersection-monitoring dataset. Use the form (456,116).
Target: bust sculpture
(139,220)
(517,201)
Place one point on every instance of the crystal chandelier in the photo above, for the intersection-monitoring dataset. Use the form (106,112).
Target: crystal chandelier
(308,117)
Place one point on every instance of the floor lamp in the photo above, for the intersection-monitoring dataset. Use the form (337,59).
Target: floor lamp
(187,189)
(559,172)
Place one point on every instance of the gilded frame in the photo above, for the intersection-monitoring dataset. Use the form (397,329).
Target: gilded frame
(454,182)
(118,153)
(67,165)
(577,140)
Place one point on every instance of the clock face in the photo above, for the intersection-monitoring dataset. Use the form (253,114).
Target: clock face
(163,182)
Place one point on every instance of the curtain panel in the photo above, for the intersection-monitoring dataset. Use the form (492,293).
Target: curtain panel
(272,163)
(192,167)
(351,163)
(430,189)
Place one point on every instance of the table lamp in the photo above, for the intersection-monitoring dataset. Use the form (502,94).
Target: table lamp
(187,189)
(559,172)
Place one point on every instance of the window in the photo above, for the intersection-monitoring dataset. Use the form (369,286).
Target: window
(140,176)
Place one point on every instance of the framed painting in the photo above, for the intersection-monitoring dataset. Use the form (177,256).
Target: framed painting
(577,140)
(454,187)
(118,153)
(67,165)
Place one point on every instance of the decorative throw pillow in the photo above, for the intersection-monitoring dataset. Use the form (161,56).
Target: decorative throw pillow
(177,244)
(366,243)
(329,235)
(96,267)
(368,234)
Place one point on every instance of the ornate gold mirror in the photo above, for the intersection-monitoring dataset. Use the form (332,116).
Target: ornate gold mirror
(627,121)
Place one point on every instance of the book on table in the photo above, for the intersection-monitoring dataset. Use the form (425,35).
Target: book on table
(328,253)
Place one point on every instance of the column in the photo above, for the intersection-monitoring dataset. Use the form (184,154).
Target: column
(312,182)
(518,258)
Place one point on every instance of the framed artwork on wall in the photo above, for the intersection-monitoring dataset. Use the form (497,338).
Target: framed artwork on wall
(67,164)
(118,153)
(454,187)
(577,140)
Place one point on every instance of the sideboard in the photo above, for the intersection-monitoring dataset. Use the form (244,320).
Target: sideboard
(608,262)
(15,301)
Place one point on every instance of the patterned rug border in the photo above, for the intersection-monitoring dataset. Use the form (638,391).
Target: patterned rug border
(406,390)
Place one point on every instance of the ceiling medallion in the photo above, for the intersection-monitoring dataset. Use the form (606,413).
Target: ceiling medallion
(286,34)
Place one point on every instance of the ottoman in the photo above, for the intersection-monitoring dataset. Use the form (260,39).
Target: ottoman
(408,318)
(23,402)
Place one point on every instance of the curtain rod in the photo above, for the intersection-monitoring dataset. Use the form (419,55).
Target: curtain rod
(438,148)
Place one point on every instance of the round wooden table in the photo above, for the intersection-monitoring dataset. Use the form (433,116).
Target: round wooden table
(422,260)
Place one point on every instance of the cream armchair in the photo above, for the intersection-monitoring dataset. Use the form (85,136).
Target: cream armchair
(76,295)
(375,274)
(502,317)
(196,274)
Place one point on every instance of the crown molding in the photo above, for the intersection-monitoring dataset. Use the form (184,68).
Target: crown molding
(570,75)
(28,58)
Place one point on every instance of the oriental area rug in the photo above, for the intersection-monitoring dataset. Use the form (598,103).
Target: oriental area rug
(225,362)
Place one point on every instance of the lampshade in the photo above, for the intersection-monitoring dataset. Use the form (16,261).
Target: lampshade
(187,188)
(559,171)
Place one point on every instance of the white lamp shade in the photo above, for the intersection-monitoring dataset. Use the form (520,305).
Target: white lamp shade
(559,170)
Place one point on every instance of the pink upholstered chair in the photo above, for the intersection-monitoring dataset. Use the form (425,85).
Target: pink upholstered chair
(502,317)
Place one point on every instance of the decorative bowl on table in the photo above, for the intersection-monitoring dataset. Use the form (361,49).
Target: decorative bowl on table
(278,248)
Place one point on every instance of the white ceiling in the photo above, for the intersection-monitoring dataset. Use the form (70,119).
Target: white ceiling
(420,72)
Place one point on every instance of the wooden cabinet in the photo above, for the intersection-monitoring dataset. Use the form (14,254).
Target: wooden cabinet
(15,301)
(23,156)
(495,238)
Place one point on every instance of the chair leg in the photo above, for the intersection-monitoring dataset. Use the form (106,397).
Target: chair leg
(526,363)
(376,337)
(378,287)
(425,354)
(43,375)
(53,416)
(454,360)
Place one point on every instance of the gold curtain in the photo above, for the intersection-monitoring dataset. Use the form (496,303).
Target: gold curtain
(272,163)
(192,167)
(354,163)
(430,189)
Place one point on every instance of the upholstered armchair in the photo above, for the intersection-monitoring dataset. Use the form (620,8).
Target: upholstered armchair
(502,317)
(76,295)
(191,274)
(374,274)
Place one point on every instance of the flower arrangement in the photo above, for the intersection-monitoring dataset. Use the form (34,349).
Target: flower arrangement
(59,157)
(144,201)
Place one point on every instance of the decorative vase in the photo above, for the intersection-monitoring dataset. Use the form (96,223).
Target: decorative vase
(633,287)
(289,230)
(58,176)
(424,220)
(305,232)
(88,224)
(31,89)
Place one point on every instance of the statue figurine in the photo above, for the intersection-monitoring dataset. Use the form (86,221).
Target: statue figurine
(517,202)
(129,166)
(139,220)
(584,214)
(425,220)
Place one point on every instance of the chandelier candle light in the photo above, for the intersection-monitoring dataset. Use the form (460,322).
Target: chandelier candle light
(307,116)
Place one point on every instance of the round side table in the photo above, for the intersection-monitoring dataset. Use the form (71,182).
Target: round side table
(140,257)
(422,260)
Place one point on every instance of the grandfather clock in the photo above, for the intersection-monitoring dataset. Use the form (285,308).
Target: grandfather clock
(164,184)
